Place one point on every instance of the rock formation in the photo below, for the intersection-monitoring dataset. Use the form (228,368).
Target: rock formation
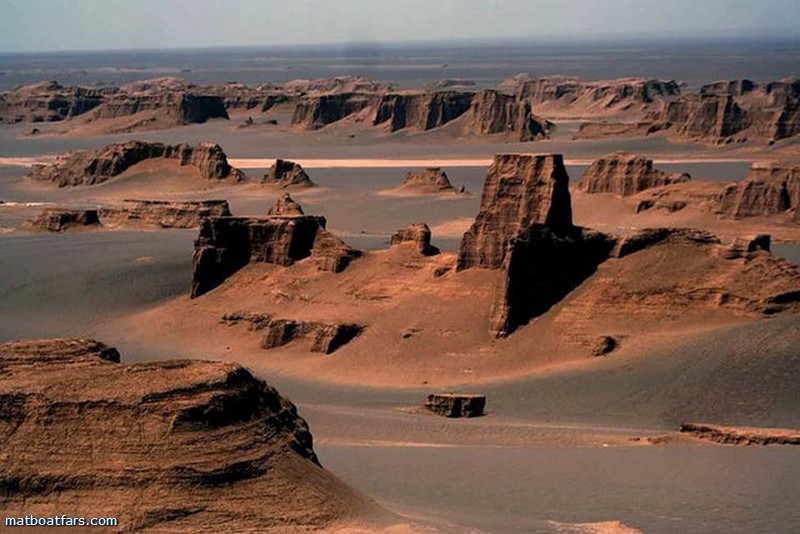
(47,102)
(90,167)
(226,244)
(626,174)
(324,337)
(456,404)
(420,235)
(286,206)
(609,96)
(520,190)
(493,112)
(431,180)
(284,173)
(163,213)
(422,111)
(60,220)
(768,189)
(740,110)
(183,446)
(524,227)
(315,112)
(742,436)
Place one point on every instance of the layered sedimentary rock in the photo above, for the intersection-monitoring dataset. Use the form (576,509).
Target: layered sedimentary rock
(178,446)
(163,213)
(627,94)
(315,112)
(768,189)
(431,180)
(286,206)
(284,173)
(737,110)
(335,85)
(456,404)
(420,235)
(520,190)
(226,244)
(742,436)
(626,174)
(493,112)
(524,227)
(60,220)
(324,337)
(47,102)
(90,167)
(423,111)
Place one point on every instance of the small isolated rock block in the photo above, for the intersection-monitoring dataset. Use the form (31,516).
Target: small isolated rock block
(456,404)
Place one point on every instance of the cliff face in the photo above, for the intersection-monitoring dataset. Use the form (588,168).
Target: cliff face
(91,167)
(423,111)
(520,190)
(164,214)
(284,173)
(226,244)
(626,174)
(493,112)
(565,94)
(733,111)
(768,189)
(180,445)
(315,112)
(47,102)
(524,228)
(61,220)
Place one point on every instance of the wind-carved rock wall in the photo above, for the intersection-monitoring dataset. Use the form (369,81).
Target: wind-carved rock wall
(626,174)
(768,189)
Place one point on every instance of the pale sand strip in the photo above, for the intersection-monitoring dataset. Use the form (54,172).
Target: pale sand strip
(348,163)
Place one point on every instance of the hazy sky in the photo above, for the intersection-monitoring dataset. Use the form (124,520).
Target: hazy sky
(37,25)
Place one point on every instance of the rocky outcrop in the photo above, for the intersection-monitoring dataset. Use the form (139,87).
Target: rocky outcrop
(626,174)
(610,96)
(524,227)
(742,436)
(47,102)
(732,111)
(422,111)
(520,190)
(163,213)
(420,235)
(61,220)
(493,112)
(90,167)
(742,247)
(179,446)
(768,189)
(284,173)
(540,268)
(431,180)
(650,237)
(324,337)
(226,244)
(315,112)
(286,206)
(456,405)
(335,85)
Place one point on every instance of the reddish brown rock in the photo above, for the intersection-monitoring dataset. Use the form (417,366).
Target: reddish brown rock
(226,244)
(47,102)
(768,189)
(164,213)
(626,174)
(324,337)
(422,111)
(456,404)
(284,173)
(431,180)
(493,112)
(178,446)
(285,206)
(420,235)
(520,190)
(727,435)
(90,167)
(61,220)
(315,112)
